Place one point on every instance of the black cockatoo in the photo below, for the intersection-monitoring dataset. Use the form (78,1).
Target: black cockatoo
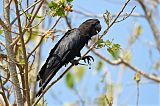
(67,48)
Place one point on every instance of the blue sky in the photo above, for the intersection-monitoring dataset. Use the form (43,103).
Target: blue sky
(149,91)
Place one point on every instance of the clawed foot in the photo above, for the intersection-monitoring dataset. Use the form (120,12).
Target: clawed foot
(74,62)
(88,58)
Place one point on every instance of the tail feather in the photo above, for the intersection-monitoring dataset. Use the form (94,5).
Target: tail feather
(41,72)
(45,80)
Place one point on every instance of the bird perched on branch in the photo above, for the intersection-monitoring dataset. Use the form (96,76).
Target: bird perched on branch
(67,48)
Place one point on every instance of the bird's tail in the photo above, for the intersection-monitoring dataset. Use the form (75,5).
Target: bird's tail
(43,82)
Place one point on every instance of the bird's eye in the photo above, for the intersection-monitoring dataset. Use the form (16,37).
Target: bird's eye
(98,26)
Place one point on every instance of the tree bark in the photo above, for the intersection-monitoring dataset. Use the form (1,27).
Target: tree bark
(11,55)
(37,57)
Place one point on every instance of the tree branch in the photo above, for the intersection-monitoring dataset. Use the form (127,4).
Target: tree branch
(24,54)
(3,25)
(32,19)
(37,58)
(124,62)
(153,26)
(87,14)
(3,93)
(33,5)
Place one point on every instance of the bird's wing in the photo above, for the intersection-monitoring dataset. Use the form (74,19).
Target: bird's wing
(67,44)
(59,54)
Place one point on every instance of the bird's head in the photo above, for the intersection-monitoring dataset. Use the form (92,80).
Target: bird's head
(90,27)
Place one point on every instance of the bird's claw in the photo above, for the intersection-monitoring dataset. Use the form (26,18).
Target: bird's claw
(88,58)
(75,62)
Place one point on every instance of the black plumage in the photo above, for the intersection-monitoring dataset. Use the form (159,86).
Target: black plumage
(67,48)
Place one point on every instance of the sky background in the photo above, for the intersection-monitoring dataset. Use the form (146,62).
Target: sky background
(149,90)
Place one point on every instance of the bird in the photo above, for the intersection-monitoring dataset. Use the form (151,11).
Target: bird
(66,50)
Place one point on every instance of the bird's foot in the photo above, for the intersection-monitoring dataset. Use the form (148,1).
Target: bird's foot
(88,58)
(76,62)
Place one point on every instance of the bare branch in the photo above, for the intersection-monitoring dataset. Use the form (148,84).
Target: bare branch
(24,54)
(68,22)
(36,59)
(87,14)
(124,62)
(32,19)
(13,83)
(153,26)
(33,5)
(2,43)
(3,93)
(127,15)
(3,24)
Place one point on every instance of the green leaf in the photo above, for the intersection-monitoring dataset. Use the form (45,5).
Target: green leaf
(1,31)
(100,43)
(79,72)
(69,1)
(99,65)
(60,12)
(53,5)
(114,52)
(110,51)
(62,2)
(57,8)
(70,80)
(22,61)
(127,55)
(138,30)
(37,16)
(108,43)
(29,15)
(116,46)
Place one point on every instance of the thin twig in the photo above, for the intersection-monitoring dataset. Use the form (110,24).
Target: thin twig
(3,24)
(68,22)
(8,76)
(42,38)
(13,83)
(37,24)
(25,11)
(15,41)
(3,93)
(80,97)
(137,93)
(127,15)
(2,43)
(87,14)
(106,31)
(51,84)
